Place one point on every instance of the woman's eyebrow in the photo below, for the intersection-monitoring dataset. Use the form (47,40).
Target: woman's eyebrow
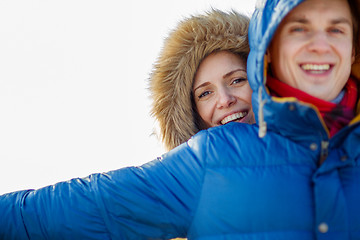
(226,75)
(232,72)
(201,85)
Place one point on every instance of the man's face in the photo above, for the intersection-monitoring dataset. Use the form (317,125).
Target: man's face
(312,49)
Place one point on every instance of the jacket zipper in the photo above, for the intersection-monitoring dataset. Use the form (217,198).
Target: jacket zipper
(324,151)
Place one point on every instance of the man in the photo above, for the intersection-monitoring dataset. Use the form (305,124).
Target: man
(300,180)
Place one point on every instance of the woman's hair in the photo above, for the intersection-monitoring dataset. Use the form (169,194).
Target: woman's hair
(172,78)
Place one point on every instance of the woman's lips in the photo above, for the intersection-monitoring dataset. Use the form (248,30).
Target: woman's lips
(233,117)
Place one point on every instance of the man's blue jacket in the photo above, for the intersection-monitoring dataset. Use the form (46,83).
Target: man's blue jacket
(224,183)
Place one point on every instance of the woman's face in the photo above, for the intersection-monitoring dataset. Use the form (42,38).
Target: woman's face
(221,90)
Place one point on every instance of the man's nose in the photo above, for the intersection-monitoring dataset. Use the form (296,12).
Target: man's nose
(319,42)
(225,99)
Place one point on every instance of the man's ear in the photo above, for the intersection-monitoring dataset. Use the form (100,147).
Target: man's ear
(355,67)
(268,56)
(353,54)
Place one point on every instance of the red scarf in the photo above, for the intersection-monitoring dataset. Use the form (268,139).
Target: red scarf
(335,116)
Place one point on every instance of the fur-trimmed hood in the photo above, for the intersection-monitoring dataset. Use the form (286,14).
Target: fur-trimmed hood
(172,77)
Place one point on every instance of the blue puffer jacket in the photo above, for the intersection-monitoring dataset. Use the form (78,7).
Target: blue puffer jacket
(225,183)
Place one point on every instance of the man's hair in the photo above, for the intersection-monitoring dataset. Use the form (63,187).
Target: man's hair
(355,13)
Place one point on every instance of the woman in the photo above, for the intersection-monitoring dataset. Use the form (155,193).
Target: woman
(187,84)
(200,51)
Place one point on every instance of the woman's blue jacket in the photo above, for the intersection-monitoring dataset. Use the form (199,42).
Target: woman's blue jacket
(224,183)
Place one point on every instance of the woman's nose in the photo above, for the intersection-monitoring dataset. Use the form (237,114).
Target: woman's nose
(319,42)
(225,99)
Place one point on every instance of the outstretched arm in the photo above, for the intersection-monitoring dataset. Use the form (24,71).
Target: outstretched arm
(156,200)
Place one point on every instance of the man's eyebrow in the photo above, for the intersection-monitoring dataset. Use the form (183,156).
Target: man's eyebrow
(341,20)
(298,20)
(303,20)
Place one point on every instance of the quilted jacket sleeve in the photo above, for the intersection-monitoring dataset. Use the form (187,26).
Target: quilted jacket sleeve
(154,201)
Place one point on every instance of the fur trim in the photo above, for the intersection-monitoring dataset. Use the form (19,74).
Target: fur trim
(171,80)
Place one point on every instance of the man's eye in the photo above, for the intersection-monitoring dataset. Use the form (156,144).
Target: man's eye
(335,30)
(297,29)
(239,80)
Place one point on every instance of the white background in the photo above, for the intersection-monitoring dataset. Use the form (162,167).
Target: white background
(73,84)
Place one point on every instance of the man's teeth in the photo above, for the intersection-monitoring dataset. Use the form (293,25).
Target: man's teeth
(315,67)
(233,117)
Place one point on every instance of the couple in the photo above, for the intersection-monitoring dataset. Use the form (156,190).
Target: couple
(299,180)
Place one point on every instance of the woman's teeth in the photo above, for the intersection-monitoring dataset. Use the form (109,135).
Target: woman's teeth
(233,117)
(315,67)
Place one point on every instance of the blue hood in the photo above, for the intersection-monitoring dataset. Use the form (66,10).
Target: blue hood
(288,116)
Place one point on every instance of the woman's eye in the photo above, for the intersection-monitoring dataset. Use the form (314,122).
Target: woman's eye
(239,80)
(204,94)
